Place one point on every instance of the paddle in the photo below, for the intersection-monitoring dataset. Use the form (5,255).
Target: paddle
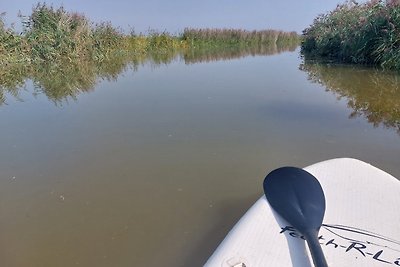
(297,197)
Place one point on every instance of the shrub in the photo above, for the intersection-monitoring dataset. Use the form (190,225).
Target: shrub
(13,47)
(55,34)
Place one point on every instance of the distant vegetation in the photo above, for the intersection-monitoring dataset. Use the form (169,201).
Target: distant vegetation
(232,37)
(217,44)
(367,33)
(64,53)
(56,36)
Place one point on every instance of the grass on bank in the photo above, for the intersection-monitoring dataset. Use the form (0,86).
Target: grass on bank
(367,33)
(55,36)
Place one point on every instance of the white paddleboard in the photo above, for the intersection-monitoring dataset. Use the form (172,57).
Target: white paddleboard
(361,226)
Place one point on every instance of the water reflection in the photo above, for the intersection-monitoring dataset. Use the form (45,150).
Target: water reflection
(65,82)
(371,93)
(62,82)
(218,53)
(164,160)
(12,78)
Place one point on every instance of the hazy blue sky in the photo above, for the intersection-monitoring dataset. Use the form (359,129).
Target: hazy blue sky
(174,15)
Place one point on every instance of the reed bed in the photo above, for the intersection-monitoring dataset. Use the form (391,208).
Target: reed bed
(13,47)
(367,33)
(56,36)
(235,37)
(65,54)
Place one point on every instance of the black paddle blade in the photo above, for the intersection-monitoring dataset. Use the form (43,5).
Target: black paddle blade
(296,196)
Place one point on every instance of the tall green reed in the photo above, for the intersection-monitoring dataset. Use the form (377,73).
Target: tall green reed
(13,47)
(236,37)
(64,53)
(365,33)
(56,35)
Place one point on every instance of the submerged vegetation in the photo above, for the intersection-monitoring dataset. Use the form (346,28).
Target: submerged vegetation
(63,53)
(367,33)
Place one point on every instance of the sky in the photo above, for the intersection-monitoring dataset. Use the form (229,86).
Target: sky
(174,15)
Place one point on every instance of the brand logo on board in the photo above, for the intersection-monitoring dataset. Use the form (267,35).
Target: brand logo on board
(356,242)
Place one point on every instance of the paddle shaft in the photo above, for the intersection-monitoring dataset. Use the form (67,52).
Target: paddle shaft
(315,249)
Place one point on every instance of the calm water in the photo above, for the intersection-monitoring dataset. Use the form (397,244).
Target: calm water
(153,166)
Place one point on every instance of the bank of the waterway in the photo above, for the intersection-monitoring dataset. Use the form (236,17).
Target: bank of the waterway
(360,33)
